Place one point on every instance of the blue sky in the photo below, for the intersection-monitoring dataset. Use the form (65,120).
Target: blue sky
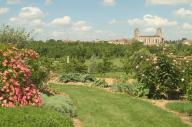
(98,19)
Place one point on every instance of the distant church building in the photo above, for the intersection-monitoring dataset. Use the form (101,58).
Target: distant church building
(149,40)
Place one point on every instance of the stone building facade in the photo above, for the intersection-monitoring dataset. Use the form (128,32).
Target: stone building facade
(156,39)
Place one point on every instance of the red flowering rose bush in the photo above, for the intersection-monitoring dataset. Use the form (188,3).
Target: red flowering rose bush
(16,87)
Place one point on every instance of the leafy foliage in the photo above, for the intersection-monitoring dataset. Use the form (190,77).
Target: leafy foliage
(12,35)
(40,73)
(75,66)
(189,92)
(76,77)
(104,66)
(76,50)
(132,88)
(141,90)
(138,61)
(100,83)
(162,78)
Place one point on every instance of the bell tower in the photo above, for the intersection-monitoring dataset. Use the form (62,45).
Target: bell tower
(136,33)
(159,32)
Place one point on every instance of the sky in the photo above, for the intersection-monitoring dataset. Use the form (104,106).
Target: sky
(98,19)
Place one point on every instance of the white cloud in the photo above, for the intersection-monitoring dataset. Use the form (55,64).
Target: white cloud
(31,13)
(109,2)
(182,12)
(135,21)
(29,17)
(37,23)
(168,2)
(62,21)
(4,10)
(150,30)
(114,21)
(13,1)
(99,31)
(58,34)
(48,1)
(150,20)
(13,19)
(81,26)
(187,26)
(38,31)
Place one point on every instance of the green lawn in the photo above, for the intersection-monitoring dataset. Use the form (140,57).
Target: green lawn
(182,107)
(32,117)
(97,108)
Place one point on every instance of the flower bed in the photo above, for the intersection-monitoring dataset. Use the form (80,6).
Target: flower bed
(16,87)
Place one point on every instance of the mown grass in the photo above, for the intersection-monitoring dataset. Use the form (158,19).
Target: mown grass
(97,108)
(182,107)
(32,117)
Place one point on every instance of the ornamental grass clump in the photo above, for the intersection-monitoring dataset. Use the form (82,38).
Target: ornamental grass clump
(16,88)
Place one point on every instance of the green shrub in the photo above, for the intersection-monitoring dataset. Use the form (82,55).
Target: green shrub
(87,78)
(186,70)
(133,89)
(100,83)
(76,77)
(40,74)
(162,78)
(61,104)
(189,92)
(141,90)
(72,77)
(104,66)
(123,88)
(5,46)
(138,61)
(75,66)
(11,35)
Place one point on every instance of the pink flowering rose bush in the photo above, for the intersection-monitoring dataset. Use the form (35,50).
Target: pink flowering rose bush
(16,88)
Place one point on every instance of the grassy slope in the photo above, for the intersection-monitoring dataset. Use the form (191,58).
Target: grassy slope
(97,108)
(182,107)
(32,117)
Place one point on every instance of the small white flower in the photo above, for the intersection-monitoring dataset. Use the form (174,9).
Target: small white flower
(182,79)
(141,56)
(157,67)
(137,66)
